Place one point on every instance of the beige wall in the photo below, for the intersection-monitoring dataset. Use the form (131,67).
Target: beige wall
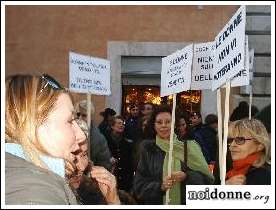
(39,38)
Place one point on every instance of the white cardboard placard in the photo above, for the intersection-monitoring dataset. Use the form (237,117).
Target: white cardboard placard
(243,77)
(176,71)
(203,63)
(89,74)
(229,53)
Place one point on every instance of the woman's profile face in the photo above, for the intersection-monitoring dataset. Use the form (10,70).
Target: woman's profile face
(249,147)
(82,157)
(118,126)
(60,135)
(162,125)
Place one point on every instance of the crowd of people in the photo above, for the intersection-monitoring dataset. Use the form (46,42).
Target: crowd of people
(53,157)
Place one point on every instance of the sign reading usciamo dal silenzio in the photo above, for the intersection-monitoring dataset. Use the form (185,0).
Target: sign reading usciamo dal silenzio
(89,74)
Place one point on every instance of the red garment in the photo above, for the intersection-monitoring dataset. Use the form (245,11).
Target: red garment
(241,167)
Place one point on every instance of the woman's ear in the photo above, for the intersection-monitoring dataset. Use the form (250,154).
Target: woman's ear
(42,132)
(260,147)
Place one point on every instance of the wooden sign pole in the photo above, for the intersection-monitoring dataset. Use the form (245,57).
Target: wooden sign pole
(225,132)
(250,101)
(219,131)
(88,122)
(171,147)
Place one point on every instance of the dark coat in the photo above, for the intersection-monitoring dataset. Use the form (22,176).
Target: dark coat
(149,176)
(206,137)
(28,184)
(133,129)
(89,192)
(99,151)
(121,149)
(104,127)
(259,176)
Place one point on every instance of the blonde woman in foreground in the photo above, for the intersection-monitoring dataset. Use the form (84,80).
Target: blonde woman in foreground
(249,145)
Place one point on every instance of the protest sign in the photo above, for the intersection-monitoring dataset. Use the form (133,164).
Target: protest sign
(176,71)
(203,63)
(243,77)
(175,78)
(229,53)
(89,74)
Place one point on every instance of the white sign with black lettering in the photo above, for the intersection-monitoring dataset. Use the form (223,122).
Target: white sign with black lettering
(176,71)
(229,53)
(89,74)
(242,78)
(203,63)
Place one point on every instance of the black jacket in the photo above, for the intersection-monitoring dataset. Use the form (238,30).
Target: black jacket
(206,137)
(149,175)
(99,151)
(259,176)
(121,148)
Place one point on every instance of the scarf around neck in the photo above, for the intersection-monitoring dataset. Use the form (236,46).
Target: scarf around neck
(195,161)
(241,167)
(177,156)
(56,165)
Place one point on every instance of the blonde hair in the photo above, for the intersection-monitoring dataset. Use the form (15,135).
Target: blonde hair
(82,107)
(83,125)
(255,129)
(29,101)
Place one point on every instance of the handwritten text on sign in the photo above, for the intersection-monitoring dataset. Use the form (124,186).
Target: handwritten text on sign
(176,71)
(203,63)
(89,74)
(229,53)
(242,78)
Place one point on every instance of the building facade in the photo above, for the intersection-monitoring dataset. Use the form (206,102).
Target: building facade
(134,39)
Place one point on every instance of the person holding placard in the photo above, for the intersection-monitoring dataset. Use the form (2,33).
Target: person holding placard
(249,145)
(151,181)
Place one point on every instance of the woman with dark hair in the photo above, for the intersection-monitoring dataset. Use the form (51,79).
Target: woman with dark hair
(181,127)
(121,149)
(151,179)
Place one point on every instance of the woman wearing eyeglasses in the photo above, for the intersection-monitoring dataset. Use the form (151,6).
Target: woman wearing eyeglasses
(249,145)
(151,179)
(121,149)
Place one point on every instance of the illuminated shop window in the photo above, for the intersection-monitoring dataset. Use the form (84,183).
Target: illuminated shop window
(186,100)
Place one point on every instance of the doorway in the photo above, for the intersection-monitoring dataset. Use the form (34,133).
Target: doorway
(139,94)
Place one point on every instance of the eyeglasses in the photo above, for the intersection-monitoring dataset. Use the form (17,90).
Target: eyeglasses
(50,81)
(238,140)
